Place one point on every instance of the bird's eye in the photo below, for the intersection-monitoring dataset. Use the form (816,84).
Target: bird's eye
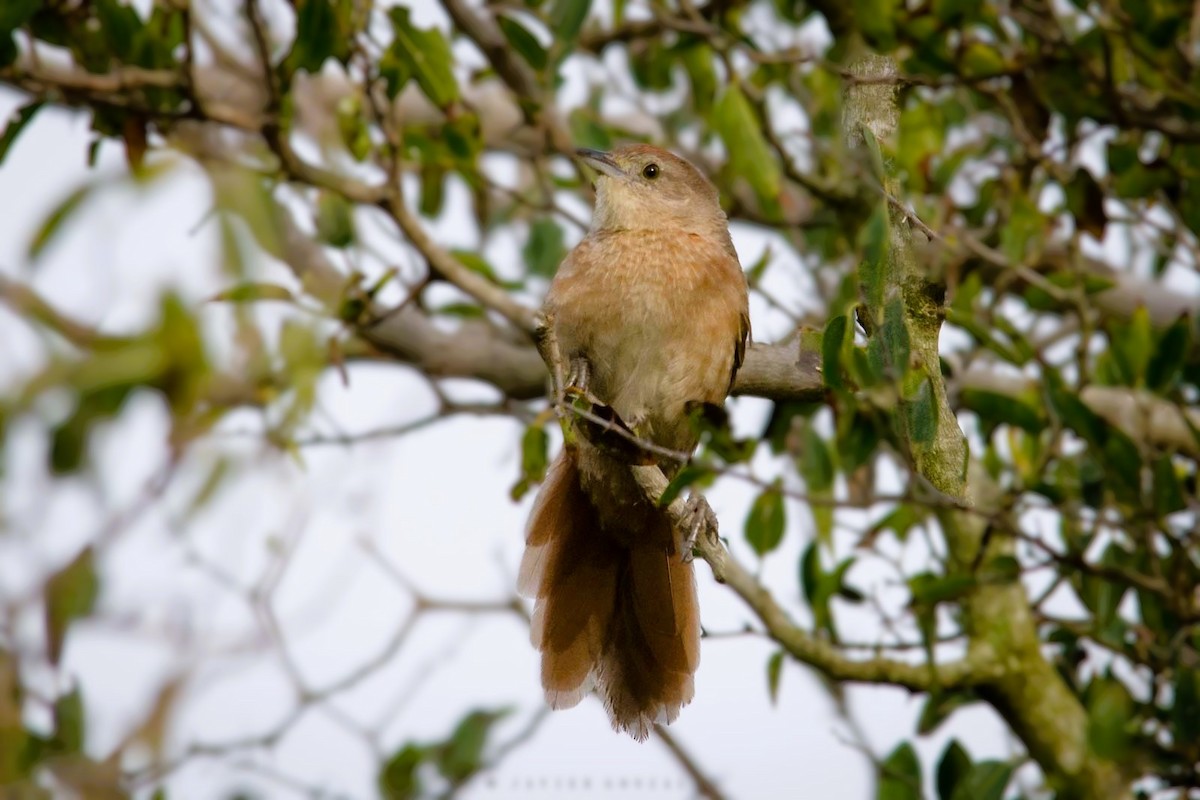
(650,171)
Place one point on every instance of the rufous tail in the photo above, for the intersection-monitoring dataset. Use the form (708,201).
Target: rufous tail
(616,613)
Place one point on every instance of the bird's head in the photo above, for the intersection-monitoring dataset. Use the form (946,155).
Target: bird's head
(644,187)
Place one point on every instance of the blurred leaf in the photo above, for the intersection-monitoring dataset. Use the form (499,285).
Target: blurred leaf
(774,672)
(421,54)
(1101,596)
(316,36)
(922,412)
(873,241)
(53,223)
(335,220)
(69,726)
(952,767)
(750,157)
(462,754)
(698,60)
(690,475)
(817,469)
(997,408)
(1110,713)
(14,739)
(16,123)
(535,447)
(876,21)
(524,42)
(398,780)
(1132,346)
(250,292)
(1025,224)
(833,343)
(545,248)
(939,707)
(1085,201)
(930,589)
(567,18)
(820,587)
(1185,710)
(1168,489)
(1169,356)
(900,775)
(895,338)
(15,13)
(70,593)
(986,780)
(765,522)
(650,62)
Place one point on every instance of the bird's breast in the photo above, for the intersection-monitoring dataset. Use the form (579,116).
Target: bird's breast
(658,318)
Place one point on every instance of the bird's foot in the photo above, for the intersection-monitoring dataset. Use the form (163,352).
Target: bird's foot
(578,376)
(700,519)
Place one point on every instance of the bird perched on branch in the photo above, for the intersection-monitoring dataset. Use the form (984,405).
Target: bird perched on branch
(650,310)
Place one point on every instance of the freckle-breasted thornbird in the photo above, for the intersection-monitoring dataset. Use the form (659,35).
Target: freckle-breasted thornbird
(654,302)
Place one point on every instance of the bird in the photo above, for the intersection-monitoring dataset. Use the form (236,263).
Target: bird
(651,308)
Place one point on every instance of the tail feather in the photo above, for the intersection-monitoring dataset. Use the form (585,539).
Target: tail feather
(622,618)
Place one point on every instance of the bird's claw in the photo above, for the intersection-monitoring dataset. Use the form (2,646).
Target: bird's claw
(699,519)
(578,377)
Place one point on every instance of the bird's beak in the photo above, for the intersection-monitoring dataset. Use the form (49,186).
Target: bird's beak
(601,162)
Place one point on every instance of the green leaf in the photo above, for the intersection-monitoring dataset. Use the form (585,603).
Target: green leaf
(567,18)
(53,224)
(922,413)
(690,475)
(398,780)
(939,707)
(316,36)
(930,589)
(1169,356)
(817,469)
(1085,201)
(1185,710)
(120,25)
(16,123)
(874,243)
(1132,346)
(69,727)
(1110,712)
(15,13)
(774,671)
(900,775)
(833,344)
(523,42)
(819,587)
(70,594)
(750,156)
(699,62)
(249,292)
(421,54)
(896,342)
(462,754)
(765,522)
(1168,488)
(1103,597)
(997,408)
(335,220)
(876,21)
(952,767)
(987,780)
(545,248)
(535,445)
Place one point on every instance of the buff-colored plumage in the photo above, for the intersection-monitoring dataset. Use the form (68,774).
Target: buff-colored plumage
(655,300)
